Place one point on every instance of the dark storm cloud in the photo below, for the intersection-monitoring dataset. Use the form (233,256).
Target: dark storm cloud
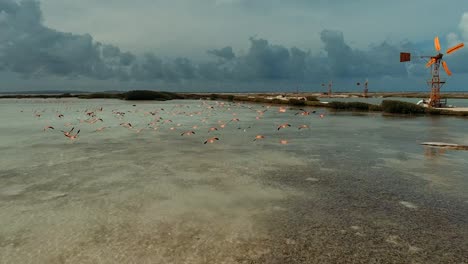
(343,61)
(31,49)
(225,53)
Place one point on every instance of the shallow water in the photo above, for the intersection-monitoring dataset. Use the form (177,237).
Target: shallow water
(352,188)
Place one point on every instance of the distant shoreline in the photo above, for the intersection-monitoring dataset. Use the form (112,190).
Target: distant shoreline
(112,94)
(291,99)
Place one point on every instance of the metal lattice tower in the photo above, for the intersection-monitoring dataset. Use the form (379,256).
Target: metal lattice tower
(435,83)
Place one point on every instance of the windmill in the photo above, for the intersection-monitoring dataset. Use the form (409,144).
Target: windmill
(434,62)
(330,85)
(365,91)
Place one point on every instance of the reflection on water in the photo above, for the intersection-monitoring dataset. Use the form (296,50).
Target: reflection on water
(433,153)
(348,189)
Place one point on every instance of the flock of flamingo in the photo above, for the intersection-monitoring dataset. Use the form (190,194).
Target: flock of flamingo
(161,118)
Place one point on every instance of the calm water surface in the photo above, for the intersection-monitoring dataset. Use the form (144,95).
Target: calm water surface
(353,188)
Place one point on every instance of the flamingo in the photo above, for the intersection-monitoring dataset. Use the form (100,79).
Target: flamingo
(67,134)
(283,126)
(259,137)
(282,109)
(283,142)
(48,127)
(188,133)
(73,137)
(303,126)
(127,125)
(212,129)
(303,113)
(211,140)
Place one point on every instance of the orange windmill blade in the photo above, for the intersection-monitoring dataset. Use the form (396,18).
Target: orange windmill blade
(444,65)
(455,48)
(429,63)
(437,43)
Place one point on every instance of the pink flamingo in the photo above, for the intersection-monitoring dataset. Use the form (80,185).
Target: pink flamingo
(283,126)
(259,137)
(211,140)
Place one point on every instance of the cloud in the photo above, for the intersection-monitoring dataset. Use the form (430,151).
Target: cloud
(463,26)
(452,39)
(457,60)
(225,53)
(343,61)
(31,49)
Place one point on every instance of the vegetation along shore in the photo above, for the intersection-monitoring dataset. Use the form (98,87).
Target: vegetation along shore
(293,99)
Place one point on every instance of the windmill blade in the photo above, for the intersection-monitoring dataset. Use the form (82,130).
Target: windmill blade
(429,63)
(437,43)
(444,65)
(455,48)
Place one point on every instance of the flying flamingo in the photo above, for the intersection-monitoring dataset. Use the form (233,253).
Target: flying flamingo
(67,134)
(48,127)
(188,133)
(259,137)
(73,137)
(211,140)
(127,125)
(283,126)
(303,113)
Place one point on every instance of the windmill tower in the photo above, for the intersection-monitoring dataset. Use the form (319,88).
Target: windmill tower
(435,83)
(365,91)
(330,86)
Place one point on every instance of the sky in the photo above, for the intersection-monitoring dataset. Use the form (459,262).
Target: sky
(226,45)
